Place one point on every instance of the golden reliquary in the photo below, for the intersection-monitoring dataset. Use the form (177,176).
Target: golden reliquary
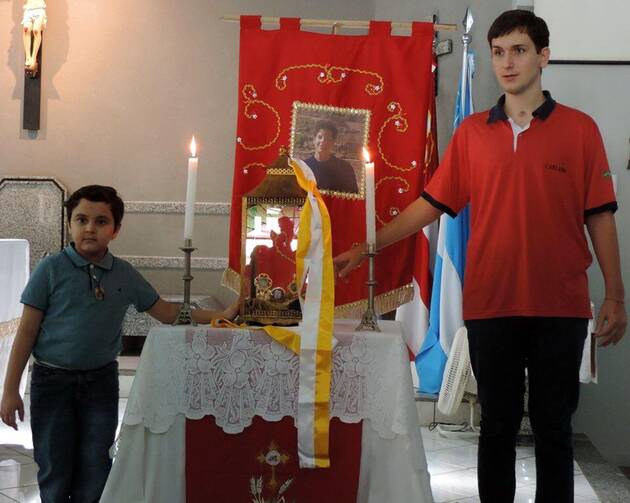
(271,214)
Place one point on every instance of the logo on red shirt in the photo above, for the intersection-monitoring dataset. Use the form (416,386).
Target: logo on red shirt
(556,167)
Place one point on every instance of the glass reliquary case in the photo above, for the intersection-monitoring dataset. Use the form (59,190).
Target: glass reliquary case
(271,214)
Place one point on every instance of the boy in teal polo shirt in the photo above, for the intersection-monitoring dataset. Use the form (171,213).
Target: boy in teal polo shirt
(74,305)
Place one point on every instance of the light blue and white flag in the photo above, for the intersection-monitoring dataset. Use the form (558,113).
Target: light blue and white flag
(445,316)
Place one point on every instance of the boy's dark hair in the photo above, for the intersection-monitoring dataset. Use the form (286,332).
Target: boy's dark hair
(524,21)
(97,194)
(328,126)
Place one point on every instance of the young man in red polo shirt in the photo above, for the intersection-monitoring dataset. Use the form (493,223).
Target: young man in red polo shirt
(534,173)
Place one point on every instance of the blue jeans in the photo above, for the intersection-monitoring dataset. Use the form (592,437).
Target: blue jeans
(500,351)
(74,415)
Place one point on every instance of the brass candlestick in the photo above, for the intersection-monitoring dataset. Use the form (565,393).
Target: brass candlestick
(369,322)
(184,317)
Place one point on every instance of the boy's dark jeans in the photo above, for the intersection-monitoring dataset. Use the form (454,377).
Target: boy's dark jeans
(74,415)
(551,350)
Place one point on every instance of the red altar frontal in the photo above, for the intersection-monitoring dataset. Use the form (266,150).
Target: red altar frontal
(260,464)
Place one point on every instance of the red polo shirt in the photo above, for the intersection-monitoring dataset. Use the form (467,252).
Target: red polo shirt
(527,254)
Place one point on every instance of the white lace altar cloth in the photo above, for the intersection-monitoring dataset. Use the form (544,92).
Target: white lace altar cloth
(236,374)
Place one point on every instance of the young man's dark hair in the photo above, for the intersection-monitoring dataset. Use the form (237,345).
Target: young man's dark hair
(524,21)
(328,126)
(97,194)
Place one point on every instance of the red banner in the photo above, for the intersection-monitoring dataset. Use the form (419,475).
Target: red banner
(323,97)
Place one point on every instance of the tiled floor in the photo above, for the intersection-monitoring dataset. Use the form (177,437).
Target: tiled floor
(452,464)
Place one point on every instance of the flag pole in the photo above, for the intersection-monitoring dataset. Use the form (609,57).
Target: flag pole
(340,23)
(445,313)
(467,22)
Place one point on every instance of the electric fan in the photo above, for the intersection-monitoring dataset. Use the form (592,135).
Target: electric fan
(458,384)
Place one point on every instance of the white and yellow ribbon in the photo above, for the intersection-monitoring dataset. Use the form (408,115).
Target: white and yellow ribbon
(313,338)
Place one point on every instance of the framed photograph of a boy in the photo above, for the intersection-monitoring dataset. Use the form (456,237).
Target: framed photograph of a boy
(330,141)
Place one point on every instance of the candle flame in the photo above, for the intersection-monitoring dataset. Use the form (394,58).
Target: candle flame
(366,155)
(193,148)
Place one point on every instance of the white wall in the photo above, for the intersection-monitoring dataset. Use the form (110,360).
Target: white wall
(587,29)
(604,411)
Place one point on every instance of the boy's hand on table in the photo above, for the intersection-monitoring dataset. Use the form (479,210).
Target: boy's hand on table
(11,403)
(231,312)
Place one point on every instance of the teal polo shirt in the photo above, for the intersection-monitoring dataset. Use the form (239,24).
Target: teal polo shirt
(79,331)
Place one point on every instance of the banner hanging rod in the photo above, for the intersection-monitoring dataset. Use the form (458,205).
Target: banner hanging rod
(341,23)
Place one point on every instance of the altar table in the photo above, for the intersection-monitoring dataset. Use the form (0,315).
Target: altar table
(236,387)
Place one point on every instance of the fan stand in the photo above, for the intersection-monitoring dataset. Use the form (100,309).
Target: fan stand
(464,430)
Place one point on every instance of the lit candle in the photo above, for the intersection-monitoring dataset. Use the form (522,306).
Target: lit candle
(191,188)
(370,211)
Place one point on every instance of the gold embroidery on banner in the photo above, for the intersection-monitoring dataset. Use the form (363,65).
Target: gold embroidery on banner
(393,211)
(251,98)
(332,75)
(401,125)
(252,165)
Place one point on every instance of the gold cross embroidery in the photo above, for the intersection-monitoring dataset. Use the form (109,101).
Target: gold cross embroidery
(273,457)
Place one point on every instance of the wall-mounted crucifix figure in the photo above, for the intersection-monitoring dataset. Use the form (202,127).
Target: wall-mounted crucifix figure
(33,23)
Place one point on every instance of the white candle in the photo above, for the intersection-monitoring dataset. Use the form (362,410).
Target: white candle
(370,209)
(191,189)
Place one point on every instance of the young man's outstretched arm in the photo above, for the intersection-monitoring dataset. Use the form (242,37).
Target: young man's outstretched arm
(413,218)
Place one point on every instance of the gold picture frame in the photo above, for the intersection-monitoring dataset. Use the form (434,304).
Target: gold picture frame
(330,141)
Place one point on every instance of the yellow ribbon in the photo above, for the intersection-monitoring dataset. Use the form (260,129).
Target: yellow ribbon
(324,324)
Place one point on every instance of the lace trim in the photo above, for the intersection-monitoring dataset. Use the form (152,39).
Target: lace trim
(236,374)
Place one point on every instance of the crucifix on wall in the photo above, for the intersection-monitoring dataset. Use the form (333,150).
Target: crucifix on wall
(33,25)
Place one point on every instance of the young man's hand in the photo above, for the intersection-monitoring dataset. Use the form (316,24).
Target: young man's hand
(349,260)
(611,322)
(11,403)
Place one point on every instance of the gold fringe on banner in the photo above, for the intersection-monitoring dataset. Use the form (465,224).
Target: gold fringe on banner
(232,280)
(383,303)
